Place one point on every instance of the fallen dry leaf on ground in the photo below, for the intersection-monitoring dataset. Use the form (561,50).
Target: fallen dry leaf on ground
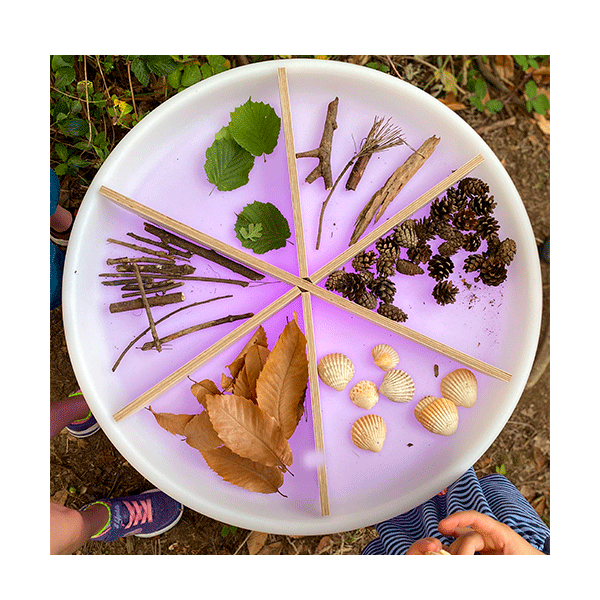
(256,540)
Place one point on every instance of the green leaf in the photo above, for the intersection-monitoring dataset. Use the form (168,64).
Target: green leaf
(494,106)
(521,61)
(160,64)
(218,63)
(274,229)
(140,70)
(191,75)
(174,79)
(531,89)
(255,127)
(62,152)
(540,104)
(74,126)
(477,103)
(480,88)
(227,164)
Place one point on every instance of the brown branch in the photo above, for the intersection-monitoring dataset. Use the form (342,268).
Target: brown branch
(323,152)
(166,270)
(147,306)
(221,321)
(141,335)
(160,244)
(139,248)
(136,304)
(151,289)
(211,255)
(376,206)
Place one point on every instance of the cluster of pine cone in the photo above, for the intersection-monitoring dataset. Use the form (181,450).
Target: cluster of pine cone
(463,220)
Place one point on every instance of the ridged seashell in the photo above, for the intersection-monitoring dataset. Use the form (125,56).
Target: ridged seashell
(460,386)
(398,386)
(442,551)
(385,357)
(364,394)
(336,370)
(438,415)
(369,432)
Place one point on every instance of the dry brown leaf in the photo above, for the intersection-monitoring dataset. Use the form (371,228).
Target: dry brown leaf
(256,540)
(281,385)
(201,388)
(258,340)
(451,102)
(256,358)
(272,549)
(174,424)
(248,431)
(242,471)
(200,434)
(505,67)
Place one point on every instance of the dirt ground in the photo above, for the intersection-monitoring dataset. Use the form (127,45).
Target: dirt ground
(85,470)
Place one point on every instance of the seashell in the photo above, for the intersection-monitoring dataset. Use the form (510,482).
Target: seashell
(385,357)
(460,386)
(438,415)
(336,370)
(398,386)
(369,432)
(442,551)
(364,394)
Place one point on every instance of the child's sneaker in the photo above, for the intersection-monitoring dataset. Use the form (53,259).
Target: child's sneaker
(144,515)
(85,427)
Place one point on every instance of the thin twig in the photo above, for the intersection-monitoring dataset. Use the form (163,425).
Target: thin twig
(131,344)
(147,306)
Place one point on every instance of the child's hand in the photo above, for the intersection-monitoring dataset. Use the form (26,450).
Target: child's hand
(425,545)
(475,532)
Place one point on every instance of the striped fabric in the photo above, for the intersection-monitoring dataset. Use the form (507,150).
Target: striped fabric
(492,495)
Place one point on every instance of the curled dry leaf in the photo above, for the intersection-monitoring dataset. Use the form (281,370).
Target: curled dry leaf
(173,423)
(243,472)
(200,434)
(248,431)
(259,338)
(254,361)
(201,388)
(281,385)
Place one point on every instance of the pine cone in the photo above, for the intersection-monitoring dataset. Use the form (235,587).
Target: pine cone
(465,219)
(506,251)
(405,235)
(449,233)
(366,299)
(392,312)
(450,247)
(493,271)
(473,187)
(440,267)
(459,198)
(445,292)
(386,264)
(473,262)
(367,277)
(386,244)
(486,226)
(482,205)
(384,289)
(336,281)
(363,261)
(424,228)
(471,242)
(408,268)
(352,286)
(421,253)
(441,209)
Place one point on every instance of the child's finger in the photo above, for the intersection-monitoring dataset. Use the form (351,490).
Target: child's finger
(425,545)
(467,544)
(468,518)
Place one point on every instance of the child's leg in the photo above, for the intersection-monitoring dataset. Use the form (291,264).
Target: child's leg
(70,529)
(66,411)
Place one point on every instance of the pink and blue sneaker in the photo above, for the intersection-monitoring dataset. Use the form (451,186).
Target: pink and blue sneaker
(85,427)
(145,515)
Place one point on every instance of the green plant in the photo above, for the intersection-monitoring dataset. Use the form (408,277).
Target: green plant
(477,84)
(535,102)
(501,470)
(189,71)
(228,530)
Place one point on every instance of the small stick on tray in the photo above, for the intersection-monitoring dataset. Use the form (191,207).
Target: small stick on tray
(158,253)
(136,304)
(381,199)
(147,307)
(193,328)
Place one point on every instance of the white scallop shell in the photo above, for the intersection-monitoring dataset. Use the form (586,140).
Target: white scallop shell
(368,433)
(460,386)
(336,370)
(398,386)
(364,394)
(438,415)
(385,357)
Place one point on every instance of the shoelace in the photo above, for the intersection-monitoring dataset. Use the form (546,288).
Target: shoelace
(139,512)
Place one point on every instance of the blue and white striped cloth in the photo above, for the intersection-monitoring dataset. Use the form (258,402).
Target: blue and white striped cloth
(492,495)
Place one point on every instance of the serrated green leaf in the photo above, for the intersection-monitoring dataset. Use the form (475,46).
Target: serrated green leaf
(74,126)
(274,230)
(227,164)
(140,70)
(191,75)
(160,64)
(494,106)
(255,126)
(531,89)
(540,104)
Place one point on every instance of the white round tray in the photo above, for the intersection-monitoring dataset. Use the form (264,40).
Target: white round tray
(160,164)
